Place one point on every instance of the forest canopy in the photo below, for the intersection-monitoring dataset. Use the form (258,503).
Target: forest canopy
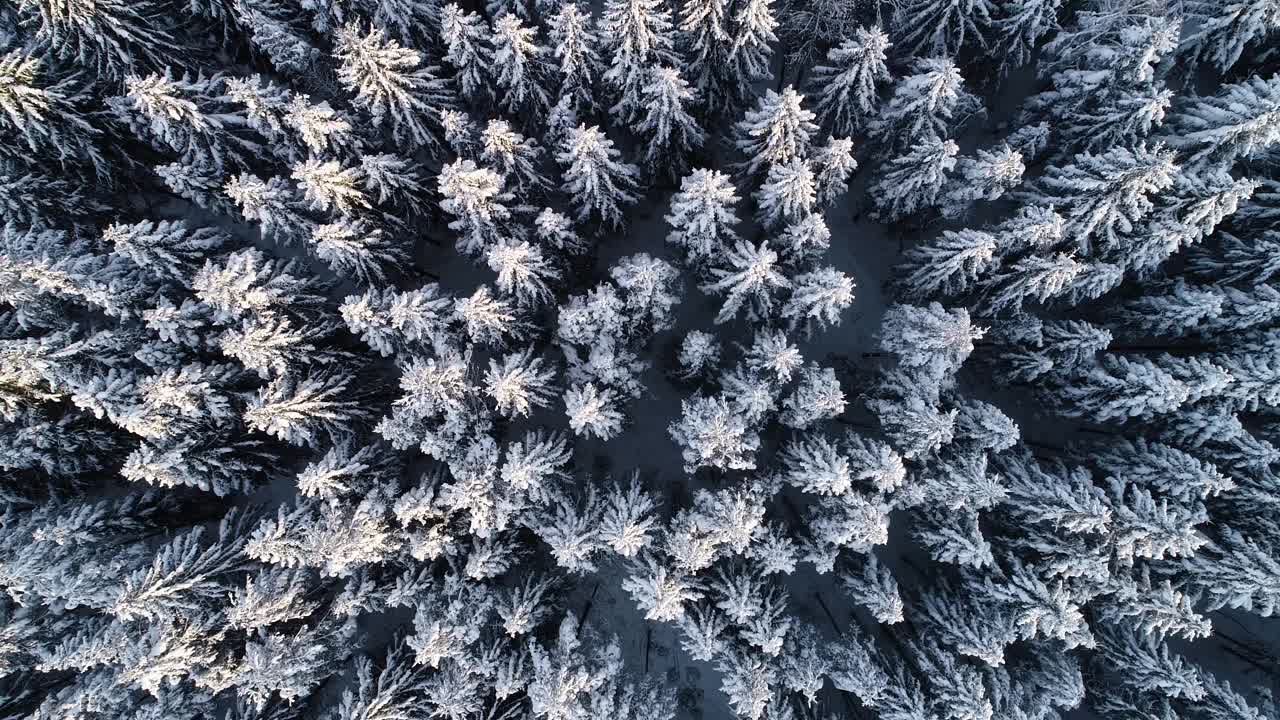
(639,359)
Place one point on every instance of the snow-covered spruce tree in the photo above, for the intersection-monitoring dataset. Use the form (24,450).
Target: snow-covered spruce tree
(187,116)
(923,27)
(788,194)
(273,204)
(516,157)
(357,250)
(833,166)
(844,87)
(702,215)
(950,265)
(523,272)
(593,411)
(44,112)
(914,182)
(638,36)
(393,85)
(706,24)
(778,130)
(597,179)
(751,279)
(1018,28)
(577,47)
(818,298)
(1107,75)
(326,185)
(1103,196)
(477,197)
(1237,123)
(930,102)
(467,51)
(1222,32)
(521,68)
(113,39)
(671,133)
(753,31)
(650,289)
(699,355)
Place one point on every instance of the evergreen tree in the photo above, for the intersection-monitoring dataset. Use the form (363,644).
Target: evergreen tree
(327,185)
(467,50)
(516,156)
(638,36)
(788,194)
(112,39)
(950,265)
(985,177)
(1103,196)
(699,355)
(521,71)
(45,115)
(593,411)
(819,296)
(942,30)
(930,102)
(751,279)
(168,248)
(1237,572)
(713,435)
(298,409)
(671,132)
(1121,388)
(779,130)
(597,180)
(187,116)
(477,197)
(702,217)
(833,164)
(522,271)
(1221,32)
(388,320)
(651,290)
(845,86)
(753,36)
(577,45)
(1119,119)
(705,24)
(394,181)
(393,85)
(914,181)
(1020,26)
(1234,124)
(816,397)
(354,249)
(321,128)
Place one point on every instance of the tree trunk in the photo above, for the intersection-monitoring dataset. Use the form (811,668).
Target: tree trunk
(586,609)
(823,604)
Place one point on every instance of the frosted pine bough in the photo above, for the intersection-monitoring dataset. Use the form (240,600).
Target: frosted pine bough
(345,355)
